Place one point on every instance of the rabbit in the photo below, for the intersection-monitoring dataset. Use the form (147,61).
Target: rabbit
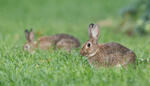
(58,41)
(107,54)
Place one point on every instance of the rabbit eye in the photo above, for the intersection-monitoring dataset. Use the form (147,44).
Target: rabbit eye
(27,47)
(89,45)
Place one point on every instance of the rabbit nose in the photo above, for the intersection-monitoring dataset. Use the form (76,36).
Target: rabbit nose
(81,53)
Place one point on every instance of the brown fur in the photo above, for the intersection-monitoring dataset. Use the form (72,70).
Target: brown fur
(58,41)
(107,54)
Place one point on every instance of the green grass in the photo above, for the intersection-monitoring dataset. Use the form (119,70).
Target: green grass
(57,68)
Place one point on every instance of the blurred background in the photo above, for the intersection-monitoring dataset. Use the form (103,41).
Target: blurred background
(123,21)
(54,16)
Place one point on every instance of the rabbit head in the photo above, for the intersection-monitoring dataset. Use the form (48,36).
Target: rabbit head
(91,46)
(29,45)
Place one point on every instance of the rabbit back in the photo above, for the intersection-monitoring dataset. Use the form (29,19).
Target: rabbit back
(66,41)
(111,54)
(58,41)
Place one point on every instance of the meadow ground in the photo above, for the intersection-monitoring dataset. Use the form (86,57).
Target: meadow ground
(57,68)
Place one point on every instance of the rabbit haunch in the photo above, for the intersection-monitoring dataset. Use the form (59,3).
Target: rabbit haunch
(60,41)
(107,54)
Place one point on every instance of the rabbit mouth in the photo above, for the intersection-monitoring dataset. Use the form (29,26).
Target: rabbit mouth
(92,54)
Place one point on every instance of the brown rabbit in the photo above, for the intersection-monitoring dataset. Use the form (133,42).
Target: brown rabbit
(60,41)
(107,54)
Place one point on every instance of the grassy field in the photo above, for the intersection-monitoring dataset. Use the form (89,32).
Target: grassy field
(57,68)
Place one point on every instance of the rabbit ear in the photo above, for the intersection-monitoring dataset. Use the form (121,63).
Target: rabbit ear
(31,35)
(93,31)
(26,34)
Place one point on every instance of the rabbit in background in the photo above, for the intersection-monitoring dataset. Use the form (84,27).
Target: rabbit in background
(58,41)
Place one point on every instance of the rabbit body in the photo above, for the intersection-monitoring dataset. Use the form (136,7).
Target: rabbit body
(111,54)
(64,41)
(58,41)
